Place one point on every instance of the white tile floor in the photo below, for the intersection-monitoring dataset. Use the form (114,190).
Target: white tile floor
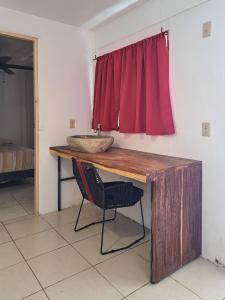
(43,258)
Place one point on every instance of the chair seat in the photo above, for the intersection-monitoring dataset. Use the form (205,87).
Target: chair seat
(122,195)
(112,183)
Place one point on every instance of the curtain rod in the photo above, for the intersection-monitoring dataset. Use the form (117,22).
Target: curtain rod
(165,32)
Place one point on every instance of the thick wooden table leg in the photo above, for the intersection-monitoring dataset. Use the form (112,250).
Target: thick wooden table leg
(176,219)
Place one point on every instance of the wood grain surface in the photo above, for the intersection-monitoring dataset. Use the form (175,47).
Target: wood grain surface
(166,224)
(145,166)
(176,219)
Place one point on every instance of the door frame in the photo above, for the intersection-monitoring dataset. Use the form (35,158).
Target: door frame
(34,40)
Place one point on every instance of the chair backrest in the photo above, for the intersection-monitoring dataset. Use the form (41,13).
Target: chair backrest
(95,184)
(89,182)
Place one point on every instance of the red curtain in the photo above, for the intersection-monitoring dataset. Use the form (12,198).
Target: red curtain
(107,92)
(132,84)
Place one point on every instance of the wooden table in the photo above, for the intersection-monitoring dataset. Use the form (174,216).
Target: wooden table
(176,201)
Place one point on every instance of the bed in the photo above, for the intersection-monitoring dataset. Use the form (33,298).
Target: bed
(16,162)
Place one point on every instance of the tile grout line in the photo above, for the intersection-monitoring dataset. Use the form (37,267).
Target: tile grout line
(42,254)
(44,230)
(110,283)
(93,266)
(31,234)
(68,244)
(14,197)
(5,243)
(47,230)
(111,257)
(71,244)
(13,265)
(27,264)
(187,288)
(158,283)
(146,242)
(43,288)
(67,277)
(120,253)
(20,204)
(141,287)
(26,297)
(18,219)
(89,268)
(74,275)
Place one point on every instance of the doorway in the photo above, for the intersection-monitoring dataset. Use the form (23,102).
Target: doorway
(18,126)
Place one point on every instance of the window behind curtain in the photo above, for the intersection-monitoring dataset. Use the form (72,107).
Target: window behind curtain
(132,84)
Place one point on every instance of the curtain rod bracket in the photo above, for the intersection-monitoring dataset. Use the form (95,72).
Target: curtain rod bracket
(165,32)
(95,57)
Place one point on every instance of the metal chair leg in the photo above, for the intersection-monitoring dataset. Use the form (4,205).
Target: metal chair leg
(128,246)
(75,228)
(102,237)
(91,224)
(142,218)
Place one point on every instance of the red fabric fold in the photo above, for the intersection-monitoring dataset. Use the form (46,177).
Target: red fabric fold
(132,84)
(84,181)
(107,92)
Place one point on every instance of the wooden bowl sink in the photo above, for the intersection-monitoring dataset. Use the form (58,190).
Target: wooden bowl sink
(90,143)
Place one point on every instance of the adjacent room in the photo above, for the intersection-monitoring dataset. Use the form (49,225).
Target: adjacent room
(16,127)
(111,150)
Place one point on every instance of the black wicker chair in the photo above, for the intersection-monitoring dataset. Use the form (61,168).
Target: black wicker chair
(110,195)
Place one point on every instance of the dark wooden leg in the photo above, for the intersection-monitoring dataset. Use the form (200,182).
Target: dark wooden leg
(59,183)
(176,220)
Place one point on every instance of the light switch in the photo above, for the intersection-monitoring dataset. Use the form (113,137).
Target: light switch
(206,29)
(206,129)
(72,123)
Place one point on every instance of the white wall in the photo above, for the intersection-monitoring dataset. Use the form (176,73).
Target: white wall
(197,68)
(63,74)
(17,107)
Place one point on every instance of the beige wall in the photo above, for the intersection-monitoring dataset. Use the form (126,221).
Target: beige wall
(63,74)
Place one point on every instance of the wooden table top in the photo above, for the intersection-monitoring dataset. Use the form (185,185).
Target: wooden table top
(138,165)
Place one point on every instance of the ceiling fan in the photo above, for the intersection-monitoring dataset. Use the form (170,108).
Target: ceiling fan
(6,67)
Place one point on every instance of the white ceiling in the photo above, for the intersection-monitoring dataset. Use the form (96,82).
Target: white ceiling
(86,13)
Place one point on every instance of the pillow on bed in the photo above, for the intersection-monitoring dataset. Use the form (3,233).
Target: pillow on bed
(4,141)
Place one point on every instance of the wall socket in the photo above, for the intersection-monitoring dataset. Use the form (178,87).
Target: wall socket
(72,123)
(206,129)
(206,29)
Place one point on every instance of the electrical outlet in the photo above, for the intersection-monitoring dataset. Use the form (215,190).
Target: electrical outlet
(206,29)
(206,129)
(72,123)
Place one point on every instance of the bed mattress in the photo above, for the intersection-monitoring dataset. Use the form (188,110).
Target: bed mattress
(15,158)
